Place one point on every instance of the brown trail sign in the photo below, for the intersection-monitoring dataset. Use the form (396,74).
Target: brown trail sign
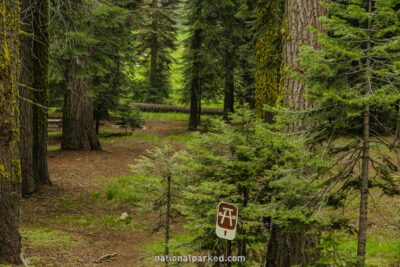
(227,218)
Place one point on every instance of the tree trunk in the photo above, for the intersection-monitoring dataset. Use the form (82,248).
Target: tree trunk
(229,87)
(168,214)
(154,84)
(10,164)
(40,83)
(289,248)
(195,98)
(25,90)
(363,219)
(78,131)
(300,14)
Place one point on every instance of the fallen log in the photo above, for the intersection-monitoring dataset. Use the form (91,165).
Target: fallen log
(171,108)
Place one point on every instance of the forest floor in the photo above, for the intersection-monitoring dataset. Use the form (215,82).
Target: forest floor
(76,221)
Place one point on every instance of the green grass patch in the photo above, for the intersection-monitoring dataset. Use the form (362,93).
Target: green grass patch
(47,237)
(55,133)
(86,220)
(53,148)
(178,245)
(142,137)
(133,190)
(381,251)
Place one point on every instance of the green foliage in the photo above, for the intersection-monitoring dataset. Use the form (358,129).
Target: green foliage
(341,83)
(156,41)
(130,115)
(265,173)
(91,40)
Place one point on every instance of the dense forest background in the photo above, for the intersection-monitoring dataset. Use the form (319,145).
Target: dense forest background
(289,109)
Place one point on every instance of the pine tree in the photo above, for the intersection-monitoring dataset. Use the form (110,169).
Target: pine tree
(201,70)
(157,39)
(10,164)
(349,80)
(91,45)
(163,162)
(254,166)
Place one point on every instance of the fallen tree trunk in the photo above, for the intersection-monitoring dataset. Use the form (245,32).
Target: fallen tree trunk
(171,108)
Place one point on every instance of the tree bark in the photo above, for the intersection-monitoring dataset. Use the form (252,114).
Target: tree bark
(10,163)
(290,248)
(300,14)
(25,90)
(78,131)
(363,219)
(40,83)
(195,98)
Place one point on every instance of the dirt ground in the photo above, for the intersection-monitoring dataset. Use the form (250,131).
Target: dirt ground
(75,176)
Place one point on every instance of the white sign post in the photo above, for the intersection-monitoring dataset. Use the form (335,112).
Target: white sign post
(227,217)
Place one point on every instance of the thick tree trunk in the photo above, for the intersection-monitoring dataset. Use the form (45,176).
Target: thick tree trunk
(363,219)
(78,131)
(25,90)
(288,248)
(300,14)
(40,83)
(10,164)
(195,98)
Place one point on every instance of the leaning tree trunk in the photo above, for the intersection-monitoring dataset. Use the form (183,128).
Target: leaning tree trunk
(78,131)
(10,164)
(288,248)
(25,90)
(40,83)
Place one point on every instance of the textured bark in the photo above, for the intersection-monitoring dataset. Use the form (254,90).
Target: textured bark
(25,90)
(288,249)
(40,83)
(10,164)
(78,131)
(363,219)
(300,14)
(195,90)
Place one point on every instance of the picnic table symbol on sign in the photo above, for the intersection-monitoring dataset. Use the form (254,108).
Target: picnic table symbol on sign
(227,218)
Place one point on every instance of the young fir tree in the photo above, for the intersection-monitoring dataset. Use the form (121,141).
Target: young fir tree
(353,76)
(260,170)
(165,163)
(157,39)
